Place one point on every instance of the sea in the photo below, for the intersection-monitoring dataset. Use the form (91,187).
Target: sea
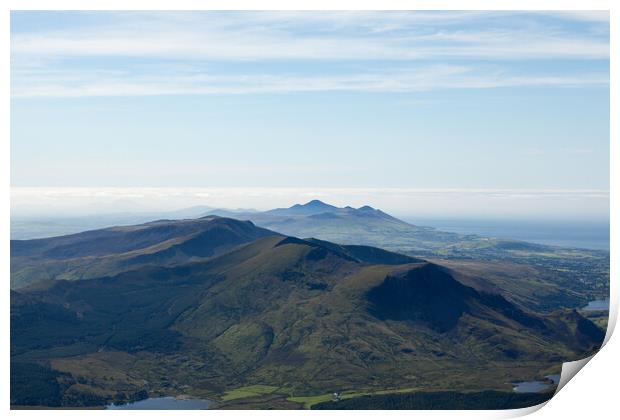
(571,234)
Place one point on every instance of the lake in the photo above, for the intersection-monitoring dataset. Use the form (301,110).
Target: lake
(597,305)
(537,386)
(164,403)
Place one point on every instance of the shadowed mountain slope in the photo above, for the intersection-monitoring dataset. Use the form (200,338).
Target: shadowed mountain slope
(430,294)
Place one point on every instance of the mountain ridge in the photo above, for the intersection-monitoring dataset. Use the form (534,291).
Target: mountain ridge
(113,250)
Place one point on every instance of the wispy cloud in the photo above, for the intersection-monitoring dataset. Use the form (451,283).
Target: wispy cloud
(285,35)
(415,79)
(95,60)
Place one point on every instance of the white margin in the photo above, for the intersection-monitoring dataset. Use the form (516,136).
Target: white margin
(575,405)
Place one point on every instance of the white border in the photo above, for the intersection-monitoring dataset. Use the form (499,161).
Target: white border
(592,396)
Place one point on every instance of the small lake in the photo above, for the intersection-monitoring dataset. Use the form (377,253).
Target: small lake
(536,386)
(597,305)
(163,403)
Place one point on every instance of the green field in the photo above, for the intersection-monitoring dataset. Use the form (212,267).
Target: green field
(249,391)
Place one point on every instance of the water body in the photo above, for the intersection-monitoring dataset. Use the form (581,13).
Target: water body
(537,386)
(164,403)
(597,305)
(570,234)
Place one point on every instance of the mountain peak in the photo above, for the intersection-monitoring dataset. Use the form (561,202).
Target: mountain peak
(307,209)
(315,203)
(313,207)
(366,208)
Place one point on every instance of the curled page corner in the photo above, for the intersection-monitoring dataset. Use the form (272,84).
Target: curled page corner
(569,370)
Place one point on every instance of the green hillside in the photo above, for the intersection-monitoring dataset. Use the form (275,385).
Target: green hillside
(107,252)
(302,316)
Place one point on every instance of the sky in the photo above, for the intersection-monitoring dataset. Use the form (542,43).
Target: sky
(471,113)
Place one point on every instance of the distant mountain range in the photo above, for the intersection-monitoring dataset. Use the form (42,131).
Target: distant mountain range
(370,226)
(203,306)
(363,225)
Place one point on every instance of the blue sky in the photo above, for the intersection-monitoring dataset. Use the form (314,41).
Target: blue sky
(404,100)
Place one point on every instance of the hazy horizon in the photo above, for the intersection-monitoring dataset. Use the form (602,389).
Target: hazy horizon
(436,203)
(66,211)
